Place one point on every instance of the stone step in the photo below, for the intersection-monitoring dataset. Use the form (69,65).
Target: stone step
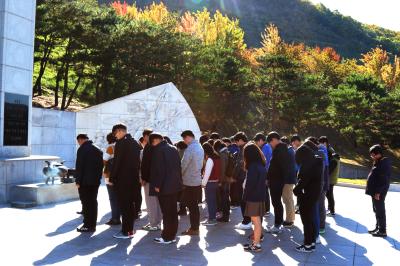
(41,194)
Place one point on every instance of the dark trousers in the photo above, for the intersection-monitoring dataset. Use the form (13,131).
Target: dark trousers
(115,213)
(331,199)
(316,219)
(380,213)
(138,201)
(126,199)
(191,199)
(276,189)
(267,200)
(88,196)
(211,199)
(307,213)
(168,205)
(236,193)
(225,203)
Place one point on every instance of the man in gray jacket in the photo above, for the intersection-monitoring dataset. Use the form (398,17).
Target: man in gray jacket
(192,163)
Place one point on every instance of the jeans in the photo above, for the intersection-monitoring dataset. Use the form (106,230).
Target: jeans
(225,203)
(287,196)
(331,199)
(380,213)
(168,204)
(276,189)
(211,199)
(153,207)
(115,213)
(88,196)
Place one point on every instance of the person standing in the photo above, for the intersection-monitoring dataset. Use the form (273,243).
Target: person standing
(88,172)
(323,149)
(125,177)
(378,183)
(225,179)
(260,139)
(152,203)
(295,141)
(334,169)
(308,190)
(166,184)
(254,192)
(212,173)
(290,181)
(192,163)
(239,176)
(277,174)
(108,158)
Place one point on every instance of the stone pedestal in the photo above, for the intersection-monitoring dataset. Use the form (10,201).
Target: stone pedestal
(31,195)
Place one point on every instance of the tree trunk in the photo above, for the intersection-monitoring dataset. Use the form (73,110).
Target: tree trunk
(65,87)
(43,63)
(71,96)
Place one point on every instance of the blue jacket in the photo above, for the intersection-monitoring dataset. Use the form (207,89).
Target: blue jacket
(267,151)
(255,189)
(233,148)
(291,178)
(379,178)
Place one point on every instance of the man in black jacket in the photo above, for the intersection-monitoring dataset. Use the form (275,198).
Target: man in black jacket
(166,183)
(377,187)
(308,190)
(125,177)
(278,172)
(89,169)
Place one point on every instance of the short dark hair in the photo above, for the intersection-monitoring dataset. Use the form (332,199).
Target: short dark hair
(219,145)
(168,140)
(111,138)
(181,145)
(203,139)
(119,127)
(82,136)
(240,136)
(285,140)
(376,149)
(147,132)
(187,133)
(273,135)
(260,136)
(141,139)
(154,136)
(215,136)
(323,139)
(226,140)
(294,138)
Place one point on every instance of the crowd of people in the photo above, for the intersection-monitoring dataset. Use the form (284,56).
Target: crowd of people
(234,173)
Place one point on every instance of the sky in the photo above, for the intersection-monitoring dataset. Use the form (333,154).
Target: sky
(384,13)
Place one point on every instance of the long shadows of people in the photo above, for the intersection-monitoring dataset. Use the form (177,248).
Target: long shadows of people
(66,227)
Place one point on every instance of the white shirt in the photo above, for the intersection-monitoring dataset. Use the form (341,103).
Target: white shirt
(207,171)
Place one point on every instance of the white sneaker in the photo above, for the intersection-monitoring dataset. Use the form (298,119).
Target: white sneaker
(244,226)
(318,240)
(161,240)
(275,229)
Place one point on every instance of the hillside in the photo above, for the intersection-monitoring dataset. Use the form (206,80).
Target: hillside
(298,21)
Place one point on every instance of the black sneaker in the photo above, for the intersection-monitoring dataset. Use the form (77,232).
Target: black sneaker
(305,249)
(113,222)
(223,220)
(288,224)
(252,248)
(84,229)
(373,231)
(379,234)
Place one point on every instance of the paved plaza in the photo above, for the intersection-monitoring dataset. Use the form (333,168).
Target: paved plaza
(46,236)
